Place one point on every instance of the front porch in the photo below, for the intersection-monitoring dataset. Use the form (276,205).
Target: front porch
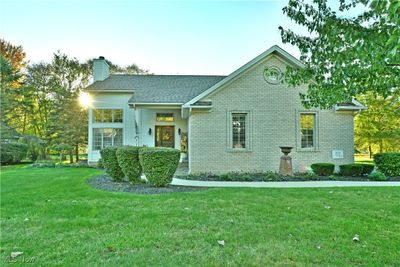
(161,126)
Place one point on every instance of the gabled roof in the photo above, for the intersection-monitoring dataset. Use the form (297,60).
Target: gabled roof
(171,88)
(156,89)
(274,49)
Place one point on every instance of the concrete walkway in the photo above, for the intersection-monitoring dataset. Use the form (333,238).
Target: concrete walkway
(309,184)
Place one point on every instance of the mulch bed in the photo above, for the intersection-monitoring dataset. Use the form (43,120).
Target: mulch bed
(104,182)
(260,178)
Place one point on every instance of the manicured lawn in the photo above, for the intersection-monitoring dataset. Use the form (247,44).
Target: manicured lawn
(71,224)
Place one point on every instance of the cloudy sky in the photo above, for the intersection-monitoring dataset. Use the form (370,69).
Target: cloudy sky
(179,37)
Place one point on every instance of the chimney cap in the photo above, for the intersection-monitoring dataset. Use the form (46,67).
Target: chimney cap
(101,57)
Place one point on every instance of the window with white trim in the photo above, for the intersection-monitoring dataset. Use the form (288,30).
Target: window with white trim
(307,130)
(108,115)
(239,130)
(165,117)
(105,137)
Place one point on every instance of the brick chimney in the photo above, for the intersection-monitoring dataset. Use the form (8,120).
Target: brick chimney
(101,70)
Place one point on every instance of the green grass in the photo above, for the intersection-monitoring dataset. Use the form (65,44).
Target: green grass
(71,224)
(365,161)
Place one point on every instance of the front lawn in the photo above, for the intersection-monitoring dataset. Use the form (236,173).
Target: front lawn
(55,218)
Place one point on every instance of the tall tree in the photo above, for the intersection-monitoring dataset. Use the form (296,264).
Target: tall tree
(69,119)
(378,128)
(14,54)
(12,63)
(117,69)
(345,55)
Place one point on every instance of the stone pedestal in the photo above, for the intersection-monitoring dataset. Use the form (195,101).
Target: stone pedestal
(285,166)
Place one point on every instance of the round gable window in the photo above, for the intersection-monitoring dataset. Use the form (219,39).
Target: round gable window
(273,75)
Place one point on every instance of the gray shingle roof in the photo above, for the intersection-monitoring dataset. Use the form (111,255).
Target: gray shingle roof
(158,88)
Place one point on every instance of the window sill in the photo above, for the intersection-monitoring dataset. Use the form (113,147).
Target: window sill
(307,150)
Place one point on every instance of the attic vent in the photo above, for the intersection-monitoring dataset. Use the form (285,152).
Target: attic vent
(273,75)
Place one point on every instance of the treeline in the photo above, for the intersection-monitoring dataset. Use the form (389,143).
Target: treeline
(377,129)
(39,102)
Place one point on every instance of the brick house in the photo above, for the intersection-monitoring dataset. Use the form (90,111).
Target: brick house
(220,123)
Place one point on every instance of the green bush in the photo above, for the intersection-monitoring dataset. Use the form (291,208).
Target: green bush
(226,177)
(44,164)
(388,163)
(270,176)
(12,152)
(80,164)
(110,162)
(323,169)
(351,169)
(377,176)
(246,177)
(367,168)
(100,164)
(128,160)
(159,164)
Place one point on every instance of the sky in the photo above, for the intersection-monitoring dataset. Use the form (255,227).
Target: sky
(164,37)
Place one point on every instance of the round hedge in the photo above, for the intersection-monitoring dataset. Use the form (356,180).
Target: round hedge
(128,160)
(12,152)
(388,163)
(323,169)
(159,164)
(351,169)
(367,168)
(110,163)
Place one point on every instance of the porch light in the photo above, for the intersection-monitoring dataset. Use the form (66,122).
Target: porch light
(179,131)
(149,131)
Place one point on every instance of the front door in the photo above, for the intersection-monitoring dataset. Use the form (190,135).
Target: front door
(165,136)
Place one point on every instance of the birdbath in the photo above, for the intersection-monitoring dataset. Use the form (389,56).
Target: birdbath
(285,165)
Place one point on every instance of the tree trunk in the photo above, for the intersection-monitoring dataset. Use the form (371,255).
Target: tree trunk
(24,124)
(381,146)
(77,153)
(71,159)
(370,151)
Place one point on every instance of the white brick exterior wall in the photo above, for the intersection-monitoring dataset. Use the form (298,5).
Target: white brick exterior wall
(273,116)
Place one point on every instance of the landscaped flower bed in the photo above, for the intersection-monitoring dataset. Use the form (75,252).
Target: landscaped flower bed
(105,182)
(275,177)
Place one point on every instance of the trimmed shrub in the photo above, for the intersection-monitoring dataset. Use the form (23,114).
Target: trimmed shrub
(270,176)
(44,164)
(377,176)
(226,177)
(351,169)
(388,163)
(323,169)
(367,168)
(12,152)
(110,163)
(159,164)
(100,164)
(128,160)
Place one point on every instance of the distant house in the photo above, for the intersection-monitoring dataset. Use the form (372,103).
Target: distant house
(8,134)
(226,123)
